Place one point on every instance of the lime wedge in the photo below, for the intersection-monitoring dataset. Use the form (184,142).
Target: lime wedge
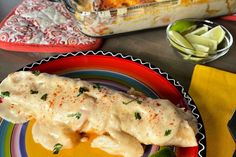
(201,54)
(164,152)
(212,44)
(201,48)
(200,31)
(216,33)
(194,59)
(188,51)
(183,26)
(179,39)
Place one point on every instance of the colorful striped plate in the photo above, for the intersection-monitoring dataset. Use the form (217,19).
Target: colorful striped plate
(116,71)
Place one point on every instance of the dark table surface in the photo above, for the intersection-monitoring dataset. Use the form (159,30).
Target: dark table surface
(149,45)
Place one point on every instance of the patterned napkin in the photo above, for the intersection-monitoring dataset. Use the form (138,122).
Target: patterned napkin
(214,92)
(43,26)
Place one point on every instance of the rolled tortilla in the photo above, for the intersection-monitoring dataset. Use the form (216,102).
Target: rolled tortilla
(64,107)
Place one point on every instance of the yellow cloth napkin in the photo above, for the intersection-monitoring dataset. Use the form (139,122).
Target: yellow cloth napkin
(214,92)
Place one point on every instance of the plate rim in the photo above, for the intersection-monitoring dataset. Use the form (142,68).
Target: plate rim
(175,83)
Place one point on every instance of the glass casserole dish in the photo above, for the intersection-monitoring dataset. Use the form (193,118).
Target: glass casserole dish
(107,17)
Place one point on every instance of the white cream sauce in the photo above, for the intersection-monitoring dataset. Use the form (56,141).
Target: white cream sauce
(106,112)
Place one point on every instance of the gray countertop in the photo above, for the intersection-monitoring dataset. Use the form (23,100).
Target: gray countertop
(149,45)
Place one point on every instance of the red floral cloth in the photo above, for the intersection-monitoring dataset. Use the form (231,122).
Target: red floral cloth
(43,26)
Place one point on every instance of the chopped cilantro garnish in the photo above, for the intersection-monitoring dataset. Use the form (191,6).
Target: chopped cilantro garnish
(34,91)
(57,148)
(136,99)
(76,115)
(139,101)
(36,72)
(137,115)
(167,132)
(44,97)
(96,85)
(82,90)
(126,103)
(5,94)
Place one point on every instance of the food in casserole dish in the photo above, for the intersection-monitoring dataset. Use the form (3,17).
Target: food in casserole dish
(114,4)
(65,108)
(107,17)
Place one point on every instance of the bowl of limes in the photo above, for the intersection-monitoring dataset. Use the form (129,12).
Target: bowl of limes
(199,40)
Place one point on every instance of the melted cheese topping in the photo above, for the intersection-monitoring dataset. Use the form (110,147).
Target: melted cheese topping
(122,121)
(112,4)
(101,5)
(189,2)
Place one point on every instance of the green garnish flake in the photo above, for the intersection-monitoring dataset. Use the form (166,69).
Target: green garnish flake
(34,91)
(44,97)
(139,101)
(76,115)
(96,85)
(82,90)
(5,94)
(36,72)
(136,99)
(167,132)
(137,115)
(57,148)
(126,103)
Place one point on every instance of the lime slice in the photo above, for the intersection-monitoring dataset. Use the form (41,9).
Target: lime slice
(164,152)
(190,52)
(200,30)
(201,48)
(200,54)
(179,39)
(193,59)
(195,39)
(216,33)
(183,26)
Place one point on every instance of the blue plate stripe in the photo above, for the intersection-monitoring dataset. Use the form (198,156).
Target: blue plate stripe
(22,140)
